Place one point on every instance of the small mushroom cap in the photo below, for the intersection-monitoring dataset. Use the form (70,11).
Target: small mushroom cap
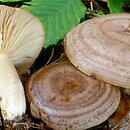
(65,98)
(101,47)
(21,36)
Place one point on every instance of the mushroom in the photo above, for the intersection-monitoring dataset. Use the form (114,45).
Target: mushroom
(21,39)
(65,98)
(120,114)
(100,47)
(124,124)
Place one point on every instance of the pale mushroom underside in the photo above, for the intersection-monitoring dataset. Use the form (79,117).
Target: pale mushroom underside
(21,36)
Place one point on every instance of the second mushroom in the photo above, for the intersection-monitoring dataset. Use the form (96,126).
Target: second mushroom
(100,47)
(65,98)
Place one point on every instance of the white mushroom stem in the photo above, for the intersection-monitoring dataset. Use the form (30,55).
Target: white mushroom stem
(12,97)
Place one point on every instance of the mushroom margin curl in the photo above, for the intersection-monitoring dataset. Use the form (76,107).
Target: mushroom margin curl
(21,40)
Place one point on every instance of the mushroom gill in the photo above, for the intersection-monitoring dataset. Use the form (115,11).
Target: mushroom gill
(65,98)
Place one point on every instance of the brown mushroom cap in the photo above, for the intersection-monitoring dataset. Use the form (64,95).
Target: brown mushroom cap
(65,98)
(21,36)
(101,47)
(120,113)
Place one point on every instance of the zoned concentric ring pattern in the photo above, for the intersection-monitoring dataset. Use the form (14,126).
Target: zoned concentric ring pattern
(101,47)
(65,98)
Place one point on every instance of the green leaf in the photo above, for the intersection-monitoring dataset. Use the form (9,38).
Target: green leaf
(115,6)
(11,0)
(57,16)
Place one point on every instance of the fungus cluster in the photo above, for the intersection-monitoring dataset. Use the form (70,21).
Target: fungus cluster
(21,40)
(80,97)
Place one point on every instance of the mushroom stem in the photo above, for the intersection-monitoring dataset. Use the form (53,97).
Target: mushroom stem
(12,97)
